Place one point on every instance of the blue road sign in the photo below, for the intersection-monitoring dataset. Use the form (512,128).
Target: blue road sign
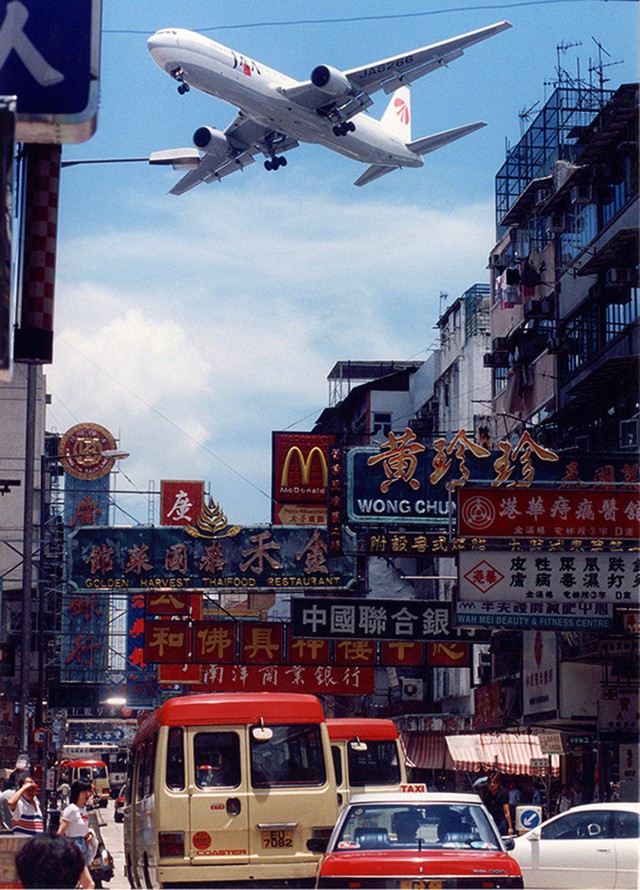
(49,60)
(530,818)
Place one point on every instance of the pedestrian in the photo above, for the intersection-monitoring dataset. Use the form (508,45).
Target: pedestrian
(515,796)
(578,793)
(74,823)
(565,800)
(26,815)
(496,800)
(49,861)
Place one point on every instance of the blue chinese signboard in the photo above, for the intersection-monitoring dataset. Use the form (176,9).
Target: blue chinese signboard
(49,60)
(276,559)
(403,482)
(84,638)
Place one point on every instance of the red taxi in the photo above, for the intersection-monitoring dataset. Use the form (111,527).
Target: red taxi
(420,841)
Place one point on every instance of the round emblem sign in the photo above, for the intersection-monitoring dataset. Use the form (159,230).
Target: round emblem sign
(201,840)
(82,448)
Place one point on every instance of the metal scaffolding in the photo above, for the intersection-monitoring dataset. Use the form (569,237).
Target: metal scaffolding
(552,137)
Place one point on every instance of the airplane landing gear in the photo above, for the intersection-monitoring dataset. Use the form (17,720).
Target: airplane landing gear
(275,163)
(343,128)
(183,87)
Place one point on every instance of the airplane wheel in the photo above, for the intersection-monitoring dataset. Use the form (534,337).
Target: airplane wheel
(337,131)
(351,127)
(268,165)
(283,162)
(183,88)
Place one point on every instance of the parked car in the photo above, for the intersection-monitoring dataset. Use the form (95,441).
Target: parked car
(418,840)
(591,846)
(101,867)
(118,806)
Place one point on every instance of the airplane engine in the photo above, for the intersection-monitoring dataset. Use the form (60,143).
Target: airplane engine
(331,81)
(211,141)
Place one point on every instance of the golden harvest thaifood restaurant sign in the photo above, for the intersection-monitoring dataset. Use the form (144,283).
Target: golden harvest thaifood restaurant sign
(261,558)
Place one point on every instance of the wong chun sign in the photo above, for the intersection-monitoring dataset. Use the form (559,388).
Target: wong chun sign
(405,482)
(261,558)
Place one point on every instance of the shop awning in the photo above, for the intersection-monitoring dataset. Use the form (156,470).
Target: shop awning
(426,751)
(506,752)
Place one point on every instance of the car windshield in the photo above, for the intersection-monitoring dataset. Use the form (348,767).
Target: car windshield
(417,826)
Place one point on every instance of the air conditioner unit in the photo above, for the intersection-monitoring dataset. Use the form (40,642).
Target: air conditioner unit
(581,444)
(542,196)
(495,261)
(496,360)
(629,434)
(582,194)
(555,344)
(556,223)
(536,309)
(412,690)
(620,277)
(500,344)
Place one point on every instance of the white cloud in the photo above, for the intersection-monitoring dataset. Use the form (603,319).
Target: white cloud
(227,313)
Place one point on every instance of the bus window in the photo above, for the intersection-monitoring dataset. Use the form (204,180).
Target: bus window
(148,764)
(337,763)
(292,756)
(216,759)
(141,753)
(174,775)
(376,765)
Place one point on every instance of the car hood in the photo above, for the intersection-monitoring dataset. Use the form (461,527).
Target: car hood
(415,864)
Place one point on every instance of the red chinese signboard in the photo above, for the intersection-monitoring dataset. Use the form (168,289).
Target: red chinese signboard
(214,642)
(323,679)
(355,652)
(166,641)
(261,643)
(180,501)
(401,652)
(549,512)
(448,654)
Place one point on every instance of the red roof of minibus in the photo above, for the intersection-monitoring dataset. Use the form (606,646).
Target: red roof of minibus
(235,707)
(372,728)
(78,763)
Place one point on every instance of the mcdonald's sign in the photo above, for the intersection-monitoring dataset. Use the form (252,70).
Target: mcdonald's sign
(300,471)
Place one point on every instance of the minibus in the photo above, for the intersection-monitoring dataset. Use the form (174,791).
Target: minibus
(367,755)
(89,770)
(229,788)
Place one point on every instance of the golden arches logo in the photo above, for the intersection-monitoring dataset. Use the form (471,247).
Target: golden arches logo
(305,465)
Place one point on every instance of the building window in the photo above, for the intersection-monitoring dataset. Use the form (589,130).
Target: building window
(381,425)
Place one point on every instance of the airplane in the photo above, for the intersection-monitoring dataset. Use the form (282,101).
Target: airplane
(276,113)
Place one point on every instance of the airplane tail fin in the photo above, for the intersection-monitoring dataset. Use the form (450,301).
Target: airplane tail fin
(397,116)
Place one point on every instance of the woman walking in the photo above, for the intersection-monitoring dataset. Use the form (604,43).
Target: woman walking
(74,824)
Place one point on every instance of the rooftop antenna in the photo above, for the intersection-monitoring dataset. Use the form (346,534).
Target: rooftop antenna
(561,49)
(443,301)
(525,115)
(601,64)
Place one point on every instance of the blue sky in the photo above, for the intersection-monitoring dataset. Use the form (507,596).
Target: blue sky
(194,326)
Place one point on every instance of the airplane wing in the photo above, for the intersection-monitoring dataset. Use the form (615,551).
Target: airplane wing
(245,139)
(389,74)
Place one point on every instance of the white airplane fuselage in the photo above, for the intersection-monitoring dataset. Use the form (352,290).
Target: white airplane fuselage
(254,88)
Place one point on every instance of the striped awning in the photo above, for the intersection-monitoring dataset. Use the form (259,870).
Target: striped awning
(426,751)
(505,752)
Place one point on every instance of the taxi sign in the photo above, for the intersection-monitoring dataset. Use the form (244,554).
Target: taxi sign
(415,788)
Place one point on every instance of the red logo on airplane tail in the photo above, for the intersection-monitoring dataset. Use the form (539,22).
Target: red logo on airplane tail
(402,110)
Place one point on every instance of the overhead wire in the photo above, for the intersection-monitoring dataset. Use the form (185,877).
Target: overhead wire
(474,7)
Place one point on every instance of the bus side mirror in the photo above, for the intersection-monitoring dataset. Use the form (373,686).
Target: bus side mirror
(317,844)
(262,733)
